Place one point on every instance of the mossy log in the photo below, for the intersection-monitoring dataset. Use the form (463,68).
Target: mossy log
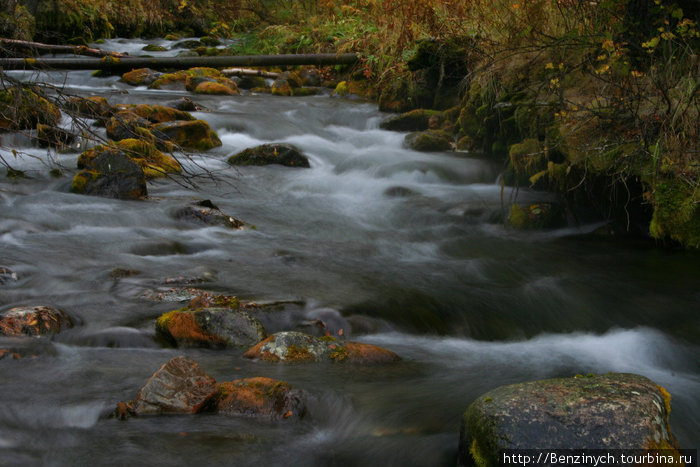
(120,65)
(74,49)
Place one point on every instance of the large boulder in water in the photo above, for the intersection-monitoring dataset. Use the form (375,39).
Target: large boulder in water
(266,154)
(295,346)
(415,120)
(111,174)
(428,141)
(613,411)
(179,386)
(153,162)
(260,397)
(194,134)
(33,321)
(210,327)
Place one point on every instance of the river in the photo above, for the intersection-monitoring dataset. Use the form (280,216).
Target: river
(399,248)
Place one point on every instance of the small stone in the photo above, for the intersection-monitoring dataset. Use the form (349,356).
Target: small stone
(7,276)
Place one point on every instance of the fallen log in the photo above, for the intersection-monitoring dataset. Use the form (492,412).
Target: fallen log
(249,72)
(74,49)
(118,65)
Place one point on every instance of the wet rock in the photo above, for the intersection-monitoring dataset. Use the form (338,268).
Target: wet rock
(188,44)
(154,48)
(184,103)
(7,276)
(536,216)
(218,85)
(613,411)
(141,77)
(154,163)
(179,386)
(54,137)
(415,120)
(95,107)
(250,82)
(210,327)
(428,141)
(33,321)
(298,347)
(125,125)
(282,87)
(283,154)
(23,109)
(160,113)
(260,397)
(179,78)
(195,135)
(111,174)
(203,214)
(310,76)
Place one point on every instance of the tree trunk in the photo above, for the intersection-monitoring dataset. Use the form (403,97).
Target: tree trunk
(112,64)
(75,49)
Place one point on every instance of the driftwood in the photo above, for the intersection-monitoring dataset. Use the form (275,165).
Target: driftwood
(249,72)
(115,64)
(75,49)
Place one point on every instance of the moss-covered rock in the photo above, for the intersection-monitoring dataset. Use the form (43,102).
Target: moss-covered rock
(676,212)
(179,78)
(154,48)
(428,141)
(613,411)
(251,82)
(112,174)
(126,124)
(218,87)
(194,135)
(299,347)
(210,327)
(159,113)
(266,154)
(23,109)
(141,77)
(415,120)
(281,87)
(96,107)
(262,398)
(51,136)
(154,163)
(33,321)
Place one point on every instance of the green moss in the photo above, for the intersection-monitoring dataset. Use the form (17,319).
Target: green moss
(479,459)
(298,354)
(340,354)
(342,88)
(676,212)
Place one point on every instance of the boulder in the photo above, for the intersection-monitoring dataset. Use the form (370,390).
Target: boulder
(415,120)
(428,141)
(95,107)
(33,321)
(206,213)
(211,85)
(310,76)
(126,124)
(210,327)
(179,78)
(153,162)
(111,174)
(194,135)
(54,137)
(184,103)
(159,113)
(250,82)
(179,386)
(299,347)
(141,77)
(260,397)
(612,411)
(276,153)
(282,87)
(23,109)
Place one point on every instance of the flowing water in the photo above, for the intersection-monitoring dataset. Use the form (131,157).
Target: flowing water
(401,249)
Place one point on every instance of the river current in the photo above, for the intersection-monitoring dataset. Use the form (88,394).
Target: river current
(401,249)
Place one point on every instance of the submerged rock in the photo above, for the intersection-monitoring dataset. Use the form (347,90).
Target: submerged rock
(179,386)
(613,411)
(282,154)
(260,398)
(210,327)
(7,276)
(33,321)
(299,347)
(208,214)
